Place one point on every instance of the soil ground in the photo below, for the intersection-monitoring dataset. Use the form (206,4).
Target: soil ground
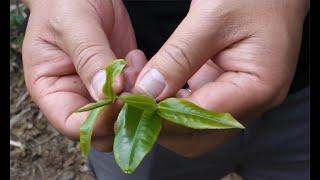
(45,153)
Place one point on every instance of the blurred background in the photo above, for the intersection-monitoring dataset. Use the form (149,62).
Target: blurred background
(37,150)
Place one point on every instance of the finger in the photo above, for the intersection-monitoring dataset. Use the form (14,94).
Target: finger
(58,91)
(196,39)
(83,37)
(135,62)
(54,85)
(240,94)
(90,52)
(207,73)
(183,93)
(184,143)
(61,100)
(123,38)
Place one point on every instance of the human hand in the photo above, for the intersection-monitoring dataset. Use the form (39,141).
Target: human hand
(237,57)
(65,51)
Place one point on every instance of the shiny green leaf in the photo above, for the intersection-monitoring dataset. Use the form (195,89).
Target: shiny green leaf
(91,106)
(187,114)
(86,130)
(121,117)
(138,132)
(113,71)
(140,101)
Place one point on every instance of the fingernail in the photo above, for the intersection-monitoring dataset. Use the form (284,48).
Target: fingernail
(152,83)
(97,83)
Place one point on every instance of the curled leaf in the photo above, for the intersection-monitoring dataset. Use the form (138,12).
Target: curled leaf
(113,71)
(121,118)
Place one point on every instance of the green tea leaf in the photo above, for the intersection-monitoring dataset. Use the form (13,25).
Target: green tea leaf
(91,106)
(187,114)
(138,132)
(121,117)
(86,130)
(140,101)
(112,72)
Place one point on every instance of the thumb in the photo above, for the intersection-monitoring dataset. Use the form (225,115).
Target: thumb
(90,35)
(89,49)
(196,39)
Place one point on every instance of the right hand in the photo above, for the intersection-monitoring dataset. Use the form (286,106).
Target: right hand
(66,48)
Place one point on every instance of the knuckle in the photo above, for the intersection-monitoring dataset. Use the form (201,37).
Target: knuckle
(177,55)
(86,53)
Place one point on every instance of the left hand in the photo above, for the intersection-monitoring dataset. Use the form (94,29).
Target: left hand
(66,48)
(237,57)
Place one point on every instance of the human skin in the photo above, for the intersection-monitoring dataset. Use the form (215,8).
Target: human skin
(243,51)
(237,56)
(67,46)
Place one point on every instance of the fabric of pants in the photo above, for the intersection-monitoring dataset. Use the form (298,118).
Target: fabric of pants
(274,146)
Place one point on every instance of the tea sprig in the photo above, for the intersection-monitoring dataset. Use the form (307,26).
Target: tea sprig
(139,121)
